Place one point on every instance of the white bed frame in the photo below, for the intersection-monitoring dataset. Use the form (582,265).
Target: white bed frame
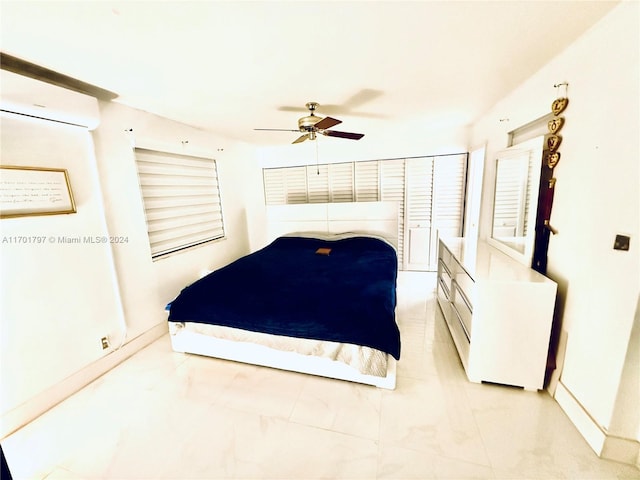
(371,217)
(379,218)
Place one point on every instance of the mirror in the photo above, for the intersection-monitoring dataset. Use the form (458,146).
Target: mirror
(515,202)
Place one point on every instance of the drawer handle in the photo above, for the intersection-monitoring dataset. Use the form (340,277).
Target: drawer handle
(461,323)
(444,266)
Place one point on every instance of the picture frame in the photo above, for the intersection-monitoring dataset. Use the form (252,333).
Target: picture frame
(31,191)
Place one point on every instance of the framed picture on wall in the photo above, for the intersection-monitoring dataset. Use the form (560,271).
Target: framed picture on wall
(28,191)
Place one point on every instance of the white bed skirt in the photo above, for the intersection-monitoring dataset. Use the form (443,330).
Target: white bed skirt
(183,340)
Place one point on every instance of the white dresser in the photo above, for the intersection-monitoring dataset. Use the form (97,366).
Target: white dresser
(499,313)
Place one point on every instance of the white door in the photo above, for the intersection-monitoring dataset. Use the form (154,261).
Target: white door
(449,181)
(419,191)
(474,192)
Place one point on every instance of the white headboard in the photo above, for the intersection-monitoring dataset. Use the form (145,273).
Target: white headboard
(373,217)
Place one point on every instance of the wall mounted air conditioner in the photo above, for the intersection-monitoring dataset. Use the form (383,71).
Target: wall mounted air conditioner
(27,96)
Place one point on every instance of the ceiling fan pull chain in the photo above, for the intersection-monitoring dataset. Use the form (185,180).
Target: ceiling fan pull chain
(317,164)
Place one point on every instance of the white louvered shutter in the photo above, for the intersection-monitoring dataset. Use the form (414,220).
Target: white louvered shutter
(275,192)
(296,184)
(392,190)
(181,200)
(511,187)
(341,182)
(531,183)
(449,177)
(318,183)
(429,192)
(367,181)
(419,198)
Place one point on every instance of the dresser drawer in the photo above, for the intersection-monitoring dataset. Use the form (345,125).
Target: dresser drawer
(459,338)
(462,308)
(443,300)
(444,254)
(444,290)
(444,274)
(466,284)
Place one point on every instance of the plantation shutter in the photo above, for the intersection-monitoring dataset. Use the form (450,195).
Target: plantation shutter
(429,192)
(392,190)
(419,190)
(511,185)
(181,200)
(367,185)
(341,182)
(275,192)
(449,175)
(296,184)
(318,183)
(419,198)
(531,184)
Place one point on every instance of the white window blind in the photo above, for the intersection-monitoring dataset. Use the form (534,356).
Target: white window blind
(181,200)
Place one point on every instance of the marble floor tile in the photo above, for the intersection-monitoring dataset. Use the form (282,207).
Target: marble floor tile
(168,415)
(432,417)
(316,453)
(344,407)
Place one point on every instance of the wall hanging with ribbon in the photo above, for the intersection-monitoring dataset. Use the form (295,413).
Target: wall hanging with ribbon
(551,156)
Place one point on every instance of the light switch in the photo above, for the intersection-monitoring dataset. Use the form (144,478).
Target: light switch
(621,243)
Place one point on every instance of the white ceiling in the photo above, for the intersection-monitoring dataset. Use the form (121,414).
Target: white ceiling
(234,66)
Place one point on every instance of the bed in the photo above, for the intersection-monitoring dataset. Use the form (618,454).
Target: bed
(316,302)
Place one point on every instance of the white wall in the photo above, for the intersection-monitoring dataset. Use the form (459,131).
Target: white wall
(146,285)
(596,197)
(58,300)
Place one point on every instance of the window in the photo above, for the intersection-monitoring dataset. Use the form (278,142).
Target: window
(429,192)
(181,200)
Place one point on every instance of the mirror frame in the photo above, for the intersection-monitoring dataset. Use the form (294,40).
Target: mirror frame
(534,147)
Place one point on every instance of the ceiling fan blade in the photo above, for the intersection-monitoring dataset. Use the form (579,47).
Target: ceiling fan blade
(363,96)
(349,135)
(327,122)
(276,130)
(287,108)
(301,138)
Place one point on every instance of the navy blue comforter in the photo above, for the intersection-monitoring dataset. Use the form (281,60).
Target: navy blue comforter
(287,288)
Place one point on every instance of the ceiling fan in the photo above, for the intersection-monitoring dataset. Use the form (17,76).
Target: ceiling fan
(311,125)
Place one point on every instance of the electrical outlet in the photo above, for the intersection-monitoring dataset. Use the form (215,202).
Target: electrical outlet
(105,343)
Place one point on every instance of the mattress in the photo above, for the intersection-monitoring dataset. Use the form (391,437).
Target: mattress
(365,360)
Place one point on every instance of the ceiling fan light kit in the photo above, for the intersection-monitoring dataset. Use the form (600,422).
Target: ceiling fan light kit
(312,125)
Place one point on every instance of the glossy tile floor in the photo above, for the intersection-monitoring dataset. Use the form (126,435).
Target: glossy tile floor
(168,415)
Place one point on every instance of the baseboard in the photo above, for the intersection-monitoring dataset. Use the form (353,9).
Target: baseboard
(36,406)
(585,424)
(605,445)
(622,450)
